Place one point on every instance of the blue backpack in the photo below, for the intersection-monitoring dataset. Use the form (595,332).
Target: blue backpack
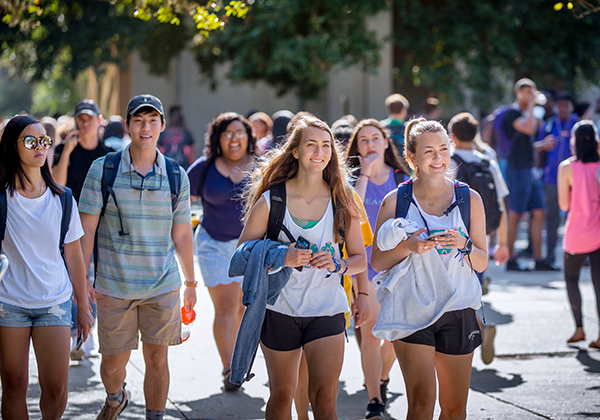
(500,139)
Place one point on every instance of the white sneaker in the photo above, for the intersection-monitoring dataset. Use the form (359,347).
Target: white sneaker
(89,347)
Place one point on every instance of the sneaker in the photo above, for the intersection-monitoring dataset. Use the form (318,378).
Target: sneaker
(487,348)
(384,385)
(77,355)
(485,285)
(543,265)
(226,384)
(375,410)
(513,265)
(112,409)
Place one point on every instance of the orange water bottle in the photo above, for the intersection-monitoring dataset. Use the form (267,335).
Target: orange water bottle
(187,321)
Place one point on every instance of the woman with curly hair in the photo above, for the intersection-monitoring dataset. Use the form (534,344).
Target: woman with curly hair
(218,178)
(377,170)
(309,311)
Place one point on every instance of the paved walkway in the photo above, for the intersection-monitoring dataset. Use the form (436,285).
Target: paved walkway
(535,376)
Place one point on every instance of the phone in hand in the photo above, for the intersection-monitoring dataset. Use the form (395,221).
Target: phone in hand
(302,243)
(434,236)
(79,341)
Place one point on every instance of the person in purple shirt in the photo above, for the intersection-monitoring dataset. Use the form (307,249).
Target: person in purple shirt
(219,178)
(378,169)
(553,146)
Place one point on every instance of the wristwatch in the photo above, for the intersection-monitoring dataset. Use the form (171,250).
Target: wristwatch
(190,283)
(468,249)
(338,266)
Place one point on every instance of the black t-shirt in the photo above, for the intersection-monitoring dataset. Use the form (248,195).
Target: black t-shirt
(79,163)
(521,149)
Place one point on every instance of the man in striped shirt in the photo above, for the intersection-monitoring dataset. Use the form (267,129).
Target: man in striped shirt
(137,277)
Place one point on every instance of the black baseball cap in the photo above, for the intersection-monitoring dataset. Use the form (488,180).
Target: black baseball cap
(141,101)
(87,106)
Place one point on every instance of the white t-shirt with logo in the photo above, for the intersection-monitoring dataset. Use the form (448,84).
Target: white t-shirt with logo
(311,292)
(36,275)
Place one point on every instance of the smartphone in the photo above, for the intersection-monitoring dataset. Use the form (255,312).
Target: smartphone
(437,235)
(302,243)
(79,341)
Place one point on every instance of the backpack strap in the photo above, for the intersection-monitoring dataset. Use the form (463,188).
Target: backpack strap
(404,199)
(458,159)
(463,201)
(207,165)
(277,213)
(174,175)
(3,212)
(109,174)
(66,202)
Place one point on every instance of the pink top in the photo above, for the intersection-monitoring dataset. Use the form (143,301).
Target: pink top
(582,229)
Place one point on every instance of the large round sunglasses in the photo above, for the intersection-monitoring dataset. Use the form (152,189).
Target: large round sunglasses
(31,142)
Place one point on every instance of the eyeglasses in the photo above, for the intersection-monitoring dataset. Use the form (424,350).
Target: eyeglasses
(228,135)
(32,142)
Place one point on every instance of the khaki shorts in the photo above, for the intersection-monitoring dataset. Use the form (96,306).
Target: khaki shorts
(158,319)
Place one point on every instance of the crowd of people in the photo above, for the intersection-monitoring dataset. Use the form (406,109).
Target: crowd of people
(305,226)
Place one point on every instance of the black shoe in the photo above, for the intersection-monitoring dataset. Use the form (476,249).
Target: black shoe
(513,265)
(375,410)
(543,265)
(384,385)
(525,253)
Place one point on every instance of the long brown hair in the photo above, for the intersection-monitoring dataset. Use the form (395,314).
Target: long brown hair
(280,166)
(390,157)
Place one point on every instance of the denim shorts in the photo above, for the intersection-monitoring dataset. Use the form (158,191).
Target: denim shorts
(14,316)
(526,192)
(213,257)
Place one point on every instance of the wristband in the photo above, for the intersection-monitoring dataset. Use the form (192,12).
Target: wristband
(346,261)
(468,249)
(191,283)
(368,177)
(363,293)
(338,266)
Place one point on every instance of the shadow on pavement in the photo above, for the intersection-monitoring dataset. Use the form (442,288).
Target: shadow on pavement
(488,380)
(593,365)
(228,405)
(494,317)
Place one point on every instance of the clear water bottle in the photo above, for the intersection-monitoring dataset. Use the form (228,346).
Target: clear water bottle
(187,322)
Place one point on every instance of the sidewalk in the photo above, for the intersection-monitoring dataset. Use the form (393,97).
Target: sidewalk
(534,376)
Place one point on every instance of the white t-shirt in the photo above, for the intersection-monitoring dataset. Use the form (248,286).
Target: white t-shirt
(474,156)
(463,277)
(310,292)
(36,275)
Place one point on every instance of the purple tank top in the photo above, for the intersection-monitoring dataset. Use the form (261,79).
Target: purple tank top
(373,198)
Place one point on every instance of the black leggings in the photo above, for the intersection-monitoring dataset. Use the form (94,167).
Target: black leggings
(573,264)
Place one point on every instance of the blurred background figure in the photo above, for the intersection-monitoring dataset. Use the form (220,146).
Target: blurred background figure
(262,127)
(432,109)
(281,119)
(49,125)
(176,141)
(396,106)
(115,136)
(343,128)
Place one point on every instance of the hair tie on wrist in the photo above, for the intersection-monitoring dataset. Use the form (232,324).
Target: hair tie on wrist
(363,293)
(368,177)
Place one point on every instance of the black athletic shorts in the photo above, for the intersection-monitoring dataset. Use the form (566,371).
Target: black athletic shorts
(455,333)
(285,333)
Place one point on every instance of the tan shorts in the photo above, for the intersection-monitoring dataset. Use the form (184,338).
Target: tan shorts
(158,319)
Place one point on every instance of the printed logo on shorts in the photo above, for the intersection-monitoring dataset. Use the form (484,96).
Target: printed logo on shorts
(473,334)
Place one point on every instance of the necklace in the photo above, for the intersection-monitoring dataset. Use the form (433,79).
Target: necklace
(431,204)
(42,190)
(236,169)
(309,202)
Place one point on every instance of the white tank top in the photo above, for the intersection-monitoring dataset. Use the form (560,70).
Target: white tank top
(311,292)
(463,277)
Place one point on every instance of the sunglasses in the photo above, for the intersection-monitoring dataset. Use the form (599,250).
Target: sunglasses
(32,142)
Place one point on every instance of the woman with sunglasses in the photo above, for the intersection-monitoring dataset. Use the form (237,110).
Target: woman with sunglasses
(309,312)
(218,178)
(36,290)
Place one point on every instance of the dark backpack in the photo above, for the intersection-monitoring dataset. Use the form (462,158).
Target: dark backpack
(463,201)
(396,134)
(202,178)
(500,140)
(66,202)
(109,174)
(478,176)
(277,213)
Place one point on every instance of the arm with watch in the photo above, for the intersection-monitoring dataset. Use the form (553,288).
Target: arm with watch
(181,234)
